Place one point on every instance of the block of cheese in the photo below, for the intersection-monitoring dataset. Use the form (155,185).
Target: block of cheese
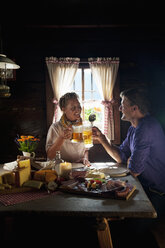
(23,173)
(9,178)
(24,163)
(33,184)
(95,174)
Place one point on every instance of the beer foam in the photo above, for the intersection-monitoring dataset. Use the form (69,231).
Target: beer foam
(77,129)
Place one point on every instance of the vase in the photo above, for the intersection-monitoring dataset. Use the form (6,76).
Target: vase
(28,154)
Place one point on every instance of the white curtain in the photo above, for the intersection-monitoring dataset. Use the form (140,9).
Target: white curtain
(62,72)
(104,71)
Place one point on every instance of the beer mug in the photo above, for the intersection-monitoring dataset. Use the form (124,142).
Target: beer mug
(77,134)
(87,135)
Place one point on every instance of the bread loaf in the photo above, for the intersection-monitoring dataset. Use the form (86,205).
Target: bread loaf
(45,175)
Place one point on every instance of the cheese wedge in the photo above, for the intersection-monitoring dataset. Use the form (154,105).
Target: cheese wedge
(23,173)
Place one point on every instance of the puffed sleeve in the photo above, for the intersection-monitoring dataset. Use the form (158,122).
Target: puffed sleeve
(52,134)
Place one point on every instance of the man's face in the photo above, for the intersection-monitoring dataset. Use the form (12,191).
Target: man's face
(126,109)
(72,110)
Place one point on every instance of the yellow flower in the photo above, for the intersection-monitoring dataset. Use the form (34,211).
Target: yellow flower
(27,143)
(30,137)
(97,109)
(23,137)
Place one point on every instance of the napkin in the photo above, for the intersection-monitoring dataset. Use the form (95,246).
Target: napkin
(10,166)
(44,165)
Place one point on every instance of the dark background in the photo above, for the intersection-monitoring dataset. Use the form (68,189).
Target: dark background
(134,32)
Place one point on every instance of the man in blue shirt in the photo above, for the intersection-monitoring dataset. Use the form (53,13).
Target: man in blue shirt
(144,147)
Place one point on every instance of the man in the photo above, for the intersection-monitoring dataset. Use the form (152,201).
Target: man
(143,148)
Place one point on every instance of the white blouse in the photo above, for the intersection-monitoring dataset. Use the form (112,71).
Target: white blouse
(70,152)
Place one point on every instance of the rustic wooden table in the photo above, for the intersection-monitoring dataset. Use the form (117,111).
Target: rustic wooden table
(102,209)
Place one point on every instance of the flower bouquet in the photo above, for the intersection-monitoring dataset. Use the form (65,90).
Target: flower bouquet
(27,143)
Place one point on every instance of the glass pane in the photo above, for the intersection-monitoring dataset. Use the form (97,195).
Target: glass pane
(77,85)
(87,96)
(95,107)
(87,79)
(96,95)
(92,97)
(78,80)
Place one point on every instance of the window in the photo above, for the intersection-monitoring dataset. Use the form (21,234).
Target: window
(89,96)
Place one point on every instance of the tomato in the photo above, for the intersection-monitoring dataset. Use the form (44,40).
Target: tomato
(98,181)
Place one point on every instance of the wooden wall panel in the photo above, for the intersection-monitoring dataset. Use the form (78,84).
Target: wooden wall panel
(23,114)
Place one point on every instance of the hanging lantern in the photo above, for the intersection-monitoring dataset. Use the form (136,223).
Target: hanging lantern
(5,65)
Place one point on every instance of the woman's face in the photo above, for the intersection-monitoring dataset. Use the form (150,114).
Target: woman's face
(72,110)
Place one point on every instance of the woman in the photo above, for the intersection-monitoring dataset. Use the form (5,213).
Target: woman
(60,133)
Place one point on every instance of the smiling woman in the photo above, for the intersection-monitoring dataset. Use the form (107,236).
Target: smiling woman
(70,106)
(60,133)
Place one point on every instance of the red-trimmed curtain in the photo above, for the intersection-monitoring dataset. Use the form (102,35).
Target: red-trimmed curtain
(104,71)
(62,72)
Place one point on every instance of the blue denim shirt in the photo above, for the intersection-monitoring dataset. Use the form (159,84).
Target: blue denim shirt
(145,145)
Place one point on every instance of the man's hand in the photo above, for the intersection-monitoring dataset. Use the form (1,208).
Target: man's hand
(134,174)
(111,149)
(97,134)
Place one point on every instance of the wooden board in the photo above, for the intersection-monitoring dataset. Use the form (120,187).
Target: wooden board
(116,192)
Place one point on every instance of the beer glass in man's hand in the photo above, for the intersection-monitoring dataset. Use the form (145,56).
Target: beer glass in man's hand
(87,134)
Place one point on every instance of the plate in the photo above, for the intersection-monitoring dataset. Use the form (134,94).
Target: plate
(77,165)
(110,168)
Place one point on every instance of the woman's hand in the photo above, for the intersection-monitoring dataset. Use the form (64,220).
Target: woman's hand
(67,133)
(84,161)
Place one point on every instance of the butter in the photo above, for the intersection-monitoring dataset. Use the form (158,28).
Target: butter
(64,169)
(96,174)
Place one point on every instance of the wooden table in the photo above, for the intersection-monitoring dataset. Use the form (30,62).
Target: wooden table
(102,209)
